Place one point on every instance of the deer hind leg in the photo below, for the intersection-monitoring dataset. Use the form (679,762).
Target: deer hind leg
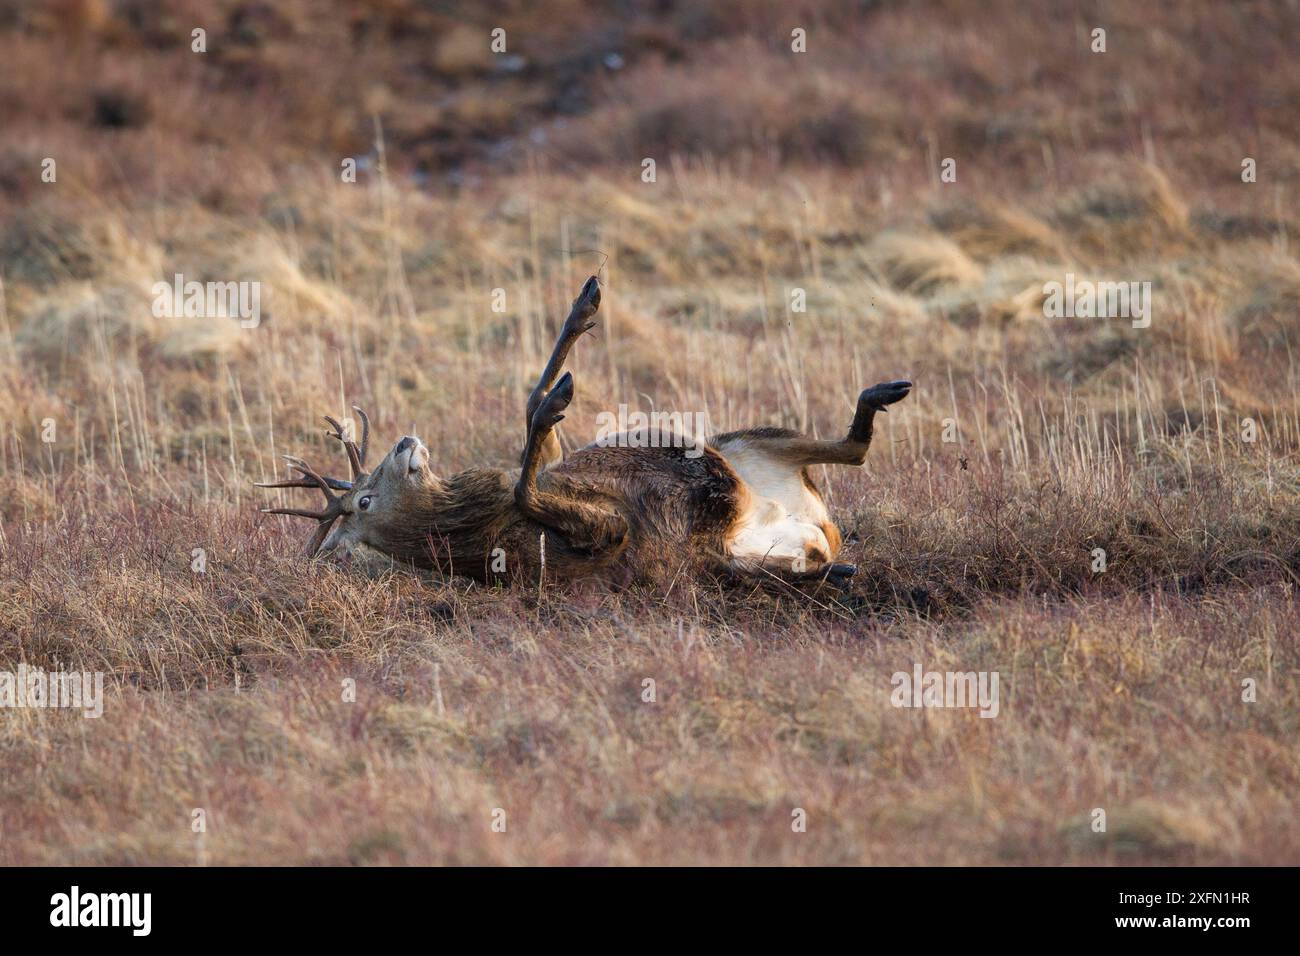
(793,449)
(584,524)
(578,322)
(784,524)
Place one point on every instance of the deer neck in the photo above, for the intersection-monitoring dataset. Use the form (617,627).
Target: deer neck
(452,521)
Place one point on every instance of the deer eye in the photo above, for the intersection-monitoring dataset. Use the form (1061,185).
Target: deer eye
(364,503)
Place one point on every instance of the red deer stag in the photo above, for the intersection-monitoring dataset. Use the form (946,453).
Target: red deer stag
(618,510)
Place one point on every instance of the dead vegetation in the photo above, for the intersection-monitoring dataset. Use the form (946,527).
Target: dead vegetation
(1121,689)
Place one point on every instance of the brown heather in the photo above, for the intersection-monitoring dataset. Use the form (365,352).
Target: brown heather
(1120,690)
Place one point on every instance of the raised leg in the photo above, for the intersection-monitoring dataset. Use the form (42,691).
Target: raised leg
(546,414)
(584,524)
(578,322)
(795,449)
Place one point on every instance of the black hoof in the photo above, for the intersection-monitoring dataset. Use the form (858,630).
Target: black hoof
(584,307)
(886,393)
(551,411)
(562,393)
(839,574)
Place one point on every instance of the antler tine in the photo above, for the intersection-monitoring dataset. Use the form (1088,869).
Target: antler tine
(333,509)
(338,484)
(354,454)
(331,501)
(365,433)
(324,521)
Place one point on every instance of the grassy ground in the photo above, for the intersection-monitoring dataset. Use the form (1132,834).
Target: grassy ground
(1027,444)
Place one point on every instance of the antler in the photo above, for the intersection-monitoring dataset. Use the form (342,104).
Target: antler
(356,456)
(311,479)
(326,516)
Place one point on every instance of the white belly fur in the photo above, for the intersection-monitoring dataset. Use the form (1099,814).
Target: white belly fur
(781,521)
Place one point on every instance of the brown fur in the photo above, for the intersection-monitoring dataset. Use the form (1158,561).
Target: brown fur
(677,511)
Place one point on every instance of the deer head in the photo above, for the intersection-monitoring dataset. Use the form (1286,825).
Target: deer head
(375,508)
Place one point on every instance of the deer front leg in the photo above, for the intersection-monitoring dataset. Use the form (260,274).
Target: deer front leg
(546,414)
(584,524)
(578,322)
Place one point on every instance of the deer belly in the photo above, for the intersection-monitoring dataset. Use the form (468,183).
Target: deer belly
(769,477)
(768,535)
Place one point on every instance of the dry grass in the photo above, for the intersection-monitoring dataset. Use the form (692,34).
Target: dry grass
(1120,690)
